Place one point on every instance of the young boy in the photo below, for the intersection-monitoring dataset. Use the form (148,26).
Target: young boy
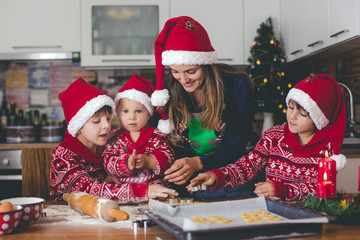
(290,152)
(137,153)
(76,164)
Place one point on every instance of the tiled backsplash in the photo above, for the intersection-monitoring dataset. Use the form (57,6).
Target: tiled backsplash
(36,84)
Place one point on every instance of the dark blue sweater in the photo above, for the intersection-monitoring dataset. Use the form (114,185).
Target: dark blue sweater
(237,96)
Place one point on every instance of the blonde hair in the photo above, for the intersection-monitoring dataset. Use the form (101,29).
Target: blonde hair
(212,97)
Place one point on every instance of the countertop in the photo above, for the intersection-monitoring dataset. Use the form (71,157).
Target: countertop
(46,228)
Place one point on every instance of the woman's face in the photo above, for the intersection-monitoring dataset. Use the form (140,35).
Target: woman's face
(189,76)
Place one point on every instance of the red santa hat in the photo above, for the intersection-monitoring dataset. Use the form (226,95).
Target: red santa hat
(80,101)
(139,89)
(322,98)
(182,41)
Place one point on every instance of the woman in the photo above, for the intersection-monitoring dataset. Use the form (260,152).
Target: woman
(208,110)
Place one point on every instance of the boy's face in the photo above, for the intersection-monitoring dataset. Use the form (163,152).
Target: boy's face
(133,115)
(95,131)
(299,120)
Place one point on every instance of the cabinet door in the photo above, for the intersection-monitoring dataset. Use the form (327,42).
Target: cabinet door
(223,20)
(255,15)
(122,33)
(39,26)
(343,20)
(308,27)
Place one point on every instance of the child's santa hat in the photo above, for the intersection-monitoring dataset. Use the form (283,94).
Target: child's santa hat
(183,41)
(322,98)
(139,89)
(80,101)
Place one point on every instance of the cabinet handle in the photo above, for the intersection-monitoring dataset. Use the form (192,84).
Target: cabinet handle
(297,51)
(225,59)
(315,43)
(340,32)
(31,47)
(125,60)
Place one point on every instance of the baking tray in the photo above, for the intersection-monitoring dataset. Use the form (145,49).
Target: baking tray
(177,220)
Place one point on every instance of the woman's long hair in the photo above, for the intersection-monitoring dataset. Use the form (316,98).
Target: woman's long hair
(212,99)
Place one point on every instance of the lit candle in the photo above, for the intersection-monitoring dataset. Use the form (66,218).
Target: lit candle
(326,177)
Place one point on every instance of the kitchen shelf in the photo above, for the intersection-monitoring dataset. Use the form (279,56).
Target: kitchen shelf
(11,146)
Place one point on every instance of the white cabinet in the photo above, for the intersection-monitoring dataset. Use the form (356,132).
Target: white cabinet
(223,20)
(348,178)
(121,33)
(39,26)
(344,22)
(254,16)
(307,24)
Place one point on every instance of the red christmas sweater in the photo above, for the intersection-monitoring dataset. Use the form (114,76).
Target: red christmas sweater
(292,168)
(75,168)
(151,142)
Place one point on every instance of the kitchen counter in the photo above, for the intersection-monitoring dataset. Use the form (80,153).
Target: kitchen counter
(46,228)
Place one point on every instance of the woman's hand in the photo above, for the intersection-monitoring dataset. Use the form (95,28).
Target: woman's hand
(206,179)
(183,169)
(265,189)
(158,191)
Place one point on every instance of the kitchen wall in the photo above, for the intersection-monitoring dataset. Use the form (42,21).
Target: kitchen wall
(36,84)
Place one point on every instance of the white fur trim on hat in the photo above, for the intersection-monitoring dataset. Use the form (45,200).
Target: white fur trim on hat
(172,57)
(159,98)
(340,161)
(87,111)
(309,105)
(138,96)
(164,126)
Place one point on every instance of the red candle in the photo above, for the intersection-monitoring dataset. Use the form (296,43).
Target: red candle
(326,177)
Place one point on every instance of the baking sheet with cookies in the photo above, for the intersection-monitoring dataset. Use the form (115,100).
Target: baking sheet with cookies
(247,213)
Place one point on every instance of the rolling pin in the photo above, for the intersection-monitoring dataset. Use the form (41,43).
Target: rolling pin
(104,209)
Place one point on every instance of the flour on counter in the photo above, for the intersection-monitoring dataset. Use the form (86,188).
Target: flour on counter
(64,214)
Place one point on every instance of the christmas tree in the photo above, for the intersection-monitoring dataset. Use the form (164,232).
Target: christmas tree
(267,71)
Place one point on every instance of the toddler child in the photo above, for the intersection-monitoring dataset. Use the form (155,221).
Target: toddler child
(290,152)
(76,163)
(137,153)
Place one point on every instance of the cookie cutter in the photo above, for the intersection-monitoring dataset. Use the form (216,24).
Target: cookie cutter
(198,188)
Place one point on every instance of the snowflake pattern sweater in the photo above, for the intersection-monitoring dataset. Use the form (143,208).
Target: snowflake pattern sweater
(75,168)
(151,142)
(292,168)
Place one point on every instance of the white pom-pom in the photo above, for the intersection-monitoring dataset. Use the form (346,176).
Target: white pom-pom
(164,126)
(340,161)
(159,98)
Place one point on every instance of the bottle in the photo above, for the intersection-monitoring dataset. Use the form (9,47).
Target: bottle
(28,118)
(13,117)
(37,125)
(21,119)
(4,114)
(44,120)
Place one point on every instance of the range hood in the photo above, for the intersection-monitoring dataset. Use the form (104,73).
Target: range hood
(75,56)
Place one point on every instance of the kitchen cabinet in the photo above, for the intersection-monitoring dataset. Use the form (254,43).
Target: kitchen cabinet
(222,20)
(254,16)
(347,178)
(344,22)
(306,22)
(122,33)
(39,26)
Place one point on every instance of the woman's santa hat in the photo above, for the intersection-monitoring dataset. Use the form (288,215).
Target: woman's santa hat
(139,89)
(321,97)
(182,41)
(80,101)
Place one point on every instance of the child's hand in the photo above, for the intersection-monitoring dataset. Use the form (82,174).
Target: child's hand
(206,179)
(112,179)
(158,191)
(131,161)
(265,189)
